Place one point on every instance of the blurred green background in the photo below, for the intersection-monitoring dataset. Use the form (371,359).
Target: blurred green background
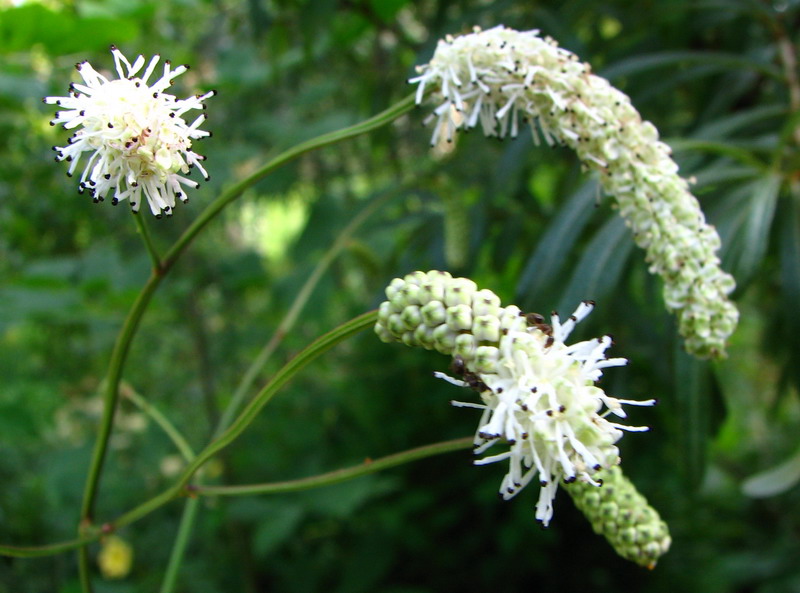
(720,81)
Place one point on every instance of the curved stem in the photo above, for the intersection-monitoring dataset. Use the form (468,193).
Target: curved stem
(179,547)
(340,475)
(159,418)
(310,353)
(291,316)
(110,396)
(125,336)
(49,549)
(236,190)
(141,226)
(367,467)
(191,506)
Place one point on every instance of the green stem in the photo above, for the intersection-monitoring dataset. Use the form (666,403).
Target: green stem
(191,506)
(334,477)
(294,312)
(368,467)
(148,241)
(49,549)
(163,422)
(310,353)
(237,189)
(110,397)
(123,341)
(179,547)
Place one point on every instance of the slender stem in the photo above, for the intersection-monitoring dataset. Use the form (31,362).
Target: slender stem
(83,569)
(180,545)
(367,467)
(334,477)
(309,354)
(236,190)
(291,316)
(110,396)
(49,549)
(159,418)
(125,336)
(111,392)
(148,241)
(191,506)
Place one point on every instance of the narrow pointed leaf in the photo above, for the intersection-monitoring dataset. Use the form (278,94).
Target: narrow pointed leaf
(774,481)
(551,254)
(599,269)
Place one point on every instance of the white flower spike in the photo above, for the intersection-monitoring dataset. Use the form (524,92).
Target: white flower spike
(501,78)
(539,394)
(139,145)
(541,400)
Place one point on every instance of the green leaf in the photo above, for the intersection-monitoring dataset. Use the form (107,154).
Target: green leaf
(774,481)
(599,269)
(759,222)
(59,32)
(276,526)
(739,151)
(387,9)
(723,61)
(744,221)
(550,256)
(691,392)
(713,175)
(789,252)
(726,126)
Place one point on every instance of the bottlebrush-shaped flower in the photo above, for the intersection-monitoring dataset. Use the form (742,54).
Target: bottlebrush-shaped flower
(500,78)
(538,394)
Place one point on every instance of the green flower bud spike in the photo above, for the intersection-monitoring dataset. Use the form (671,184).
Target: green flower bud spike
(622,515)
(538,394)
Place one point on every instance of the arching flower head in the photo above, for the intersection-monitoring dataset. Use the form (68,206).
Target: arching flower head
(539,395)
(139,145)
(500,78)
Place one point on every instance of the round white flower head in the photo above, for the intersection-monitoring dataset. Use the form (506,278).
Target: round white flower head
(500,78)
(137,140)
(540,398)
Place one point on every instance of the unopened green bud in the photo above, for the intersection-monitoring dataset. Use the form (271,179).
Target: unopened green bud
(623,516)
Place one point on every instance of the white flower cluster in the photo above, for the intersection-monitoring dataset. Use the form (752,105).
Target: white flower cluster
(543,402)
(539,394)
(500,78)
(135,133)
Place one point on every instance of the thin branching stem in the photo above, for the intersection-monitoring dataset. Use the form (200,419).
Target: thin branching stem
(122,344)
(144,232)
(369,466)
(296,308)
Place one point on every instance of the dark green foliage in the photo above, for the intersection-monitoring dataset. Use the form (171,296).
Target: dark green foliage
(709,75)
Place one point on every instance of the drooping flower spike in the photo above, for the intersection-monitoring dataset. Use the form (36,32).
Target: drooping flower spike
(500,78)
(139,145)
(620,513)
(538,394)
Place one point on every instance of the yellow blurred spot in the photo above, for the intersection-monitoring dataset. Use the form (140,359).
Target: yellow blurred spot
(609,27)
(271,226)
(115,557)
